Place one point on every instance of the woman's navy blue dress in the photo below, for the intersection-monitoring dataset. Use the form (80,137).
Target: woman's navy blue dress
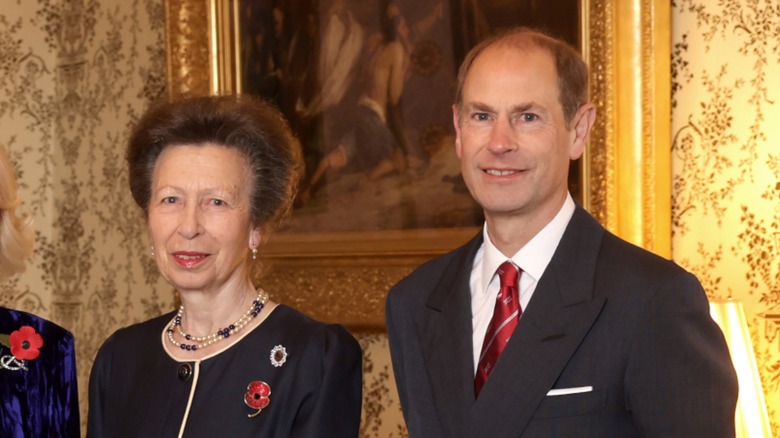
(137,389)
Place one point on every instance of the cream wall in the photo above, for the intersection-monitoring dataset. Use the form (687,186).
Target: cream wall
(726,162)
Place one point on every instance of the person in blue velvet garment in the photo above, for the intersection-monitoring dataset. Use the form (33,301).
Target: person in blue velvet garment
(38,390)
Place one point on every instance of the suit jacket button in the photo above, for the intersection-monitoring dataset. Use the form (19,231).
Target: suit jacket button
(185,371)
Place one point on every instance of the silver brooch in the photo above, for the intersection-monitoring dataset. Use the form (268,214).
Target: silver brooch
(278,356)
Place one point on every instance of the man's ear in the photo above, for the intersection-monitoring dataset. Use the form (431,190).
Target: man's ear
(456,123)
(582,123)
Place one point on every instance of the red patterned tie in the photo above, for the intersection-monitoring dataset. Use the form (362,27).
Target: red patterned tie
(505,317)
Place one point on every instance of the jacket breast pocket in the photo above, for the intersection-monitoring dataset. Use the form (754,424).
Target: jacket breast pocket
(569,405)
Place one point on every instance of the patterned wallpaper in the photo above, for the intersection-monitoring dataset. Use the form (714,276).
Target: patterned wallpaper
(75,74)
(726,162)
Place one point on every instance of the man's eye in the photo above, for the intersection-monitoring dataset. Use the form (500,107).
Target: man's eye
(480,116)
(217,202)
(529,117)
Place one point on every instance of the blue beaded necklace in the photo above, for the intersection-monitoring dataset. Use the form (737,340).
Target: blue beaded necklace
(226,332)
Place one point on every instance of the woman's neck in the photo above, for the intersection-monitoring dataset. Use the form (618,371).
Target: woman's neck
(206,313)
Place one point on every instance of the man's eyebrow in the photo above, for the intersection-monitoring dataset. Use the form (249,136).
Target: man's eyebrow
(519,108)
(478,106)
(524,107)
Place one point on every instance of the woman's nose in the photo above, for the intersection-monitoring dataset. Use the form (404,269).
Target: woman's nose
(190,224)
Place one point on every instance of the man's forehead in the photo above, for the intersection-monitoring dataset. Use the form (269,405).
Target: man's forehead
(503,62)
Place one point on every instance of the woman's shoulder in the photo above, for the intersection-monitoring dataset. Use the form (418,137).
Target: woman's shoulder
(11,320)
(149,329)
(296,320)
(302,326)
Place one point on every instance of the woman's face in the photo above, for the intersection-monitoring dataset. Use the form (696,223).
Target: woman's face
(199,217)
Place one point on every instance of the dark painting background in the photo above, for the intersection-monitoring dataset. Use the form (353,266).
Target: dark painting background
(378,150)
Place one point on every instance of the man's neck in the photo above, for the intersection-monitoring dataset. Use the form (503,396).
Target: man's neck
(512,231)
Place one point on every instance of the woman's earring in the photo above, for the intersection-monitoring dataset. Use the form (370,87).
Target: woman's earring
(254,253)
(152,250)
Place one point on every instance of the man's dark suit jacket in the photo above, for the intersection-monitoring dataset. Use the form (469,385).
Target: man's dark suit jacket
(605,314)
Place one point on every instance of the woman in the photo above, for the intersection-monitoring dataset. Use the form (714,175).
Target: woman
(38,391)
(214,175)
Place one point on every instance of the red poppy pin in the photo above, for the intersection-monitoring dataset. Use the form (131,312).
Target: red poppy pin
(25,344)
(257,396)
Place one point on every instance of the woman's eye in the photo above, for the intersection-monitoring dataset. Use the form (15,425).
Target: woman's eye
(169,200)
(217,202)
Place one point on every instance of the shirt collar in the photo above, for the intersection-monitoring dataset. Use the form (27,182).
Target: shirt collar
(534,257)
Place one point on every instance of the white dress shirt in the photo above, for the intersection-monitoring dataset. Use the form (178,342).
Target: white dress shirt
(532,258)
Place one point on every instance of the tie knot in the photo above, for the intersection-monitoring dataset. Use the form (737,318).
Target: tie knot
(507,274)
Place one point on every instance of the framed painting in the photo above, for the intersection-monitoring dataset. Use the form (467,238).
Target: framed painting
(367,87)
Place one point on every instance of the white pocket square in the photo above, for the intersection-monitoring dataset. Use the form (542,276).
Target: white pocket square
(566,391)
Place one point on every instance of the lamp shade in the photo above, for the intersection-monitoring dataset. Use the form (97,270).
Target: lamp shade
(751,417)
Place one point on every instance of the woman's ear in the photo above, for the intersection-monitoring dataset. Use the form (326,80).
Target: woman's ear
(255,238)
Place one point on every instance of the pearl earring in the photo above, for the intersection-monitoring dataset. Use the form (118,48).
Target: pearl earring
(254,253)
(152,246)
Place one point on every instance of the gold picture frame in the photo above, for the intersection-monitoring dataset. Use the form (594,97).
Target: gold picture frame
(625,171)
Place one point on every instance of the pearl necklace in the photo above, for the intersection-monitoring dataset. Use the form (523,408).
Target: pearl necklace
(206,341)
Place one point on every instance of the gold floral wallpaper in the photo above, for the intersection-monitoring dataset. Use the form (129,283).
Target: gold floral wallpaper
(726,162)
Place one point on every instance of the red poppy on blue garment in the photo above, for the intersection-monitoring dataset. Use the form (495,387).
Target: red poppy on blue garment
(257,396)
(25,343)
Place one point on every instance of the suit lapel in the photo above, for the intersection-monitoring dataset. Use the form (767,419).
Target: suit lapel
(447,341)
(560,313)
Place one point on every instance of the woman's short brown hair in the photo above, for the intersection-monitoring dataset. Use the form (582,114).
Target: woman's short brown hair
(244,123)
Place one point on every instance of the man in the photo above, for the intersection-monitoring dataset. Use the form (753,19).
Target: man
(612,340)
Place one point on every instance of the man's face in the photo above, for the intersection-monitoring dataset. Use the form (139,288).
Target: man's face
(511,136)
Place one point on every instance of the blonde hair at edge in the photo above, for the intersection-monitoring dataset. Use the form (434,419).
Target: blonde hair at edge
(16,234)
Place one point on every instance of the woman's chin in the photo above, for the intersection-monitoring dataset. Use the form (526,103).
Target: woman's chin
(188,283)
